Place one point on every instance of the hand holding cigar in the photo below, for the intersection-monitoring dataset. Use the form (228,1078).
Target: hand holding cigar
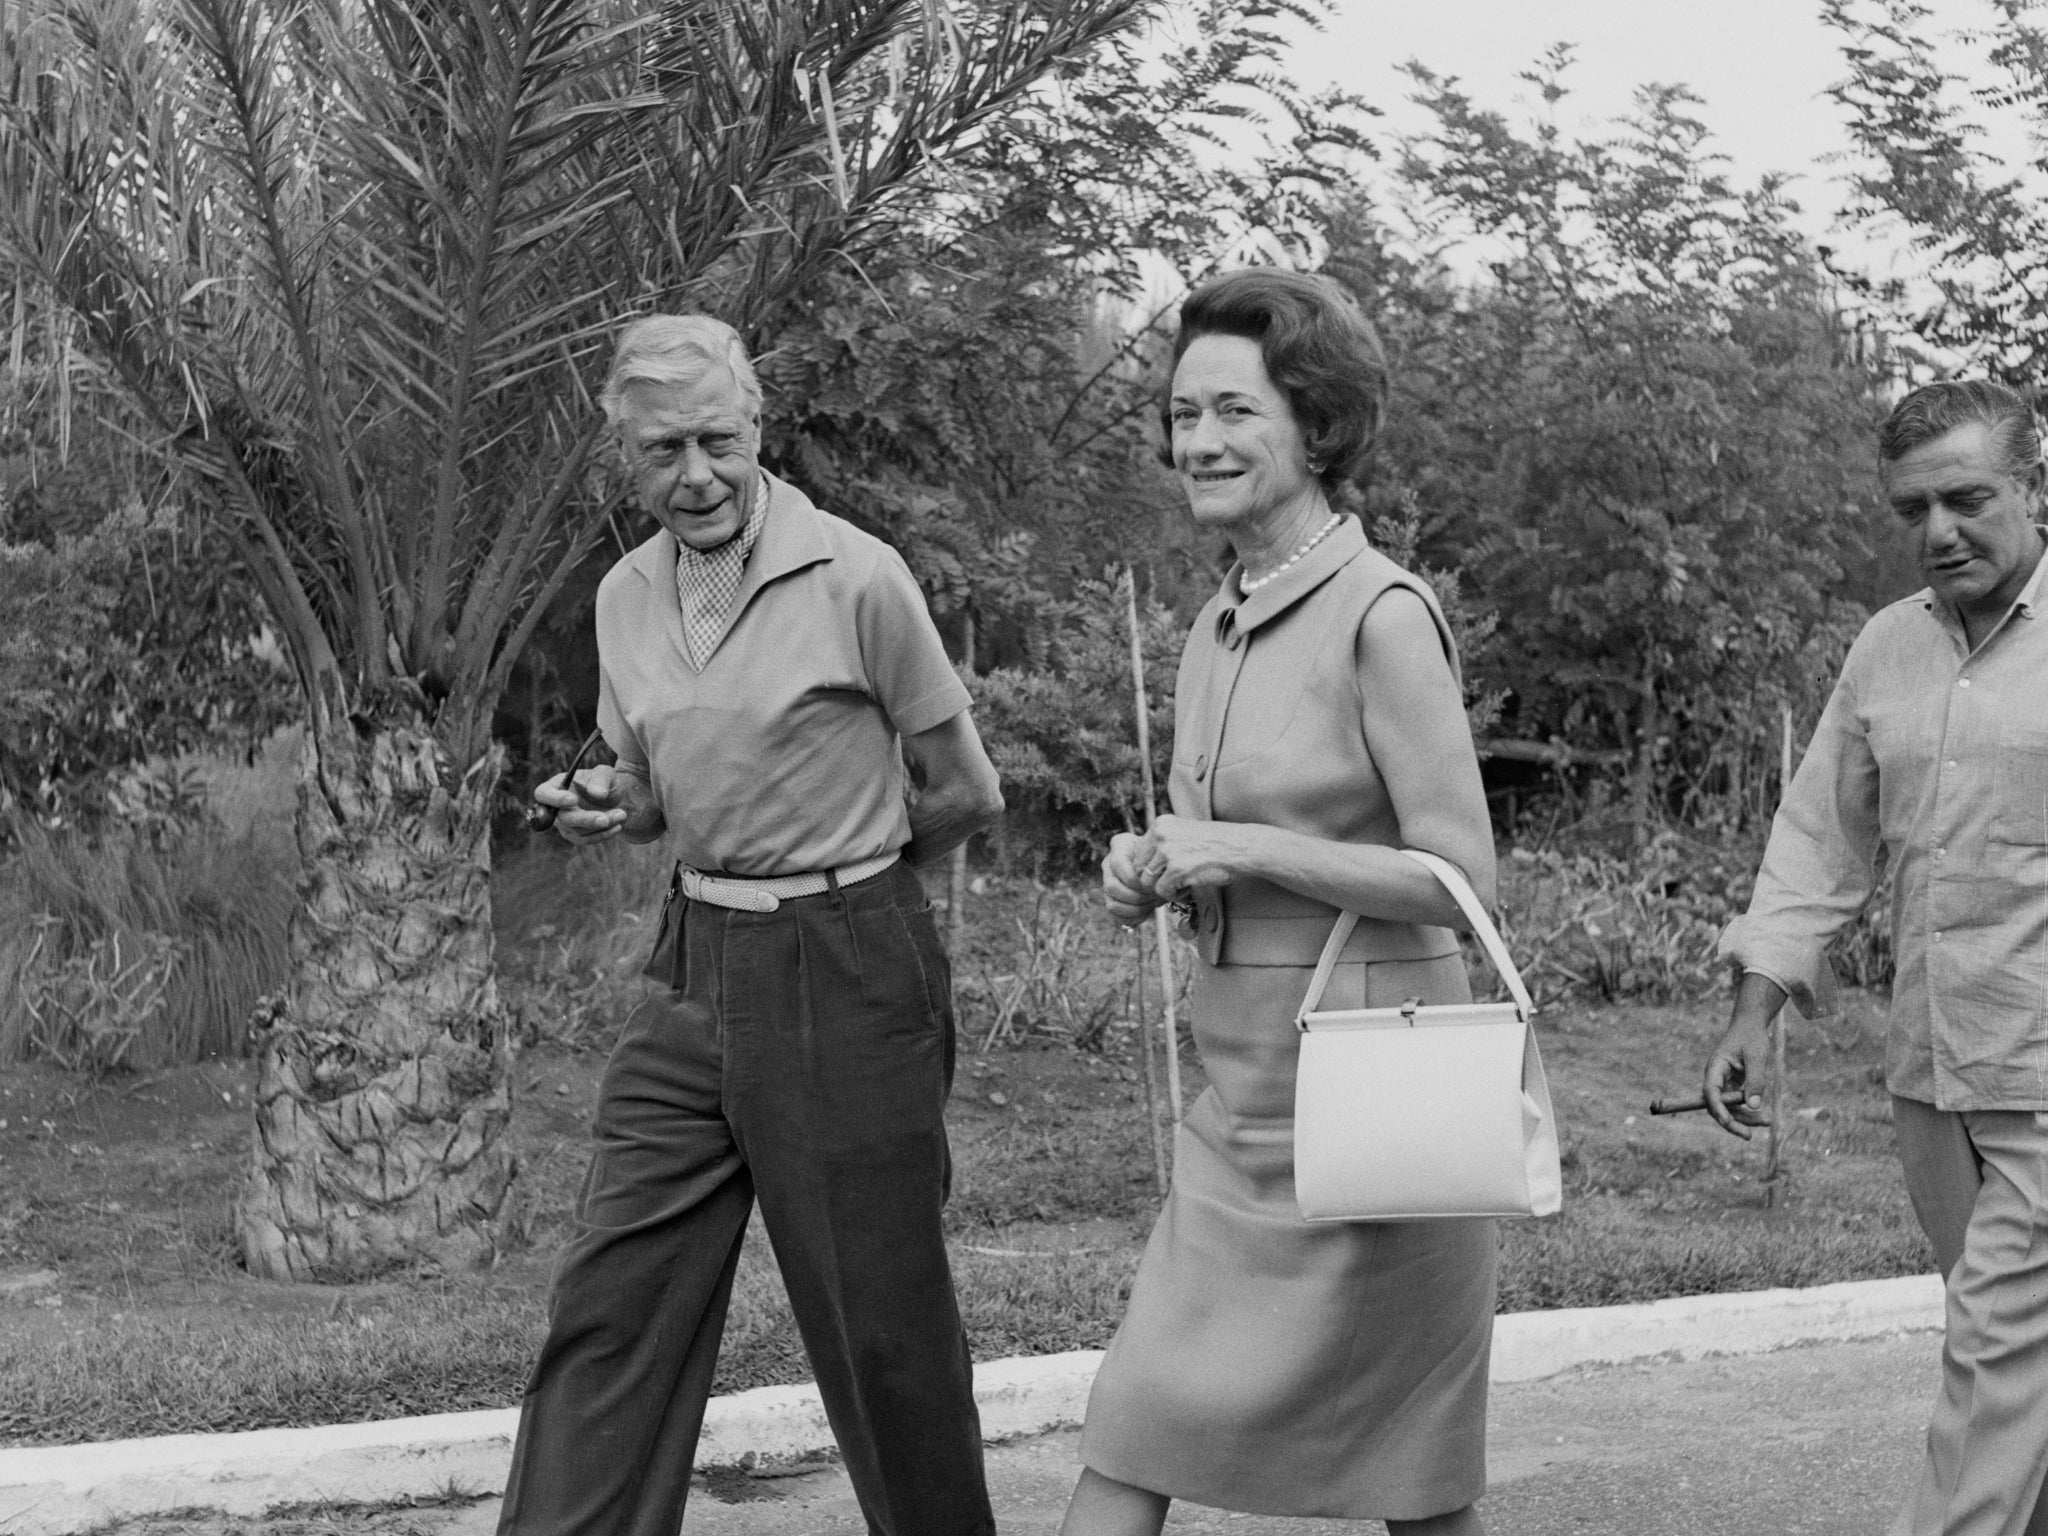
(1732,1098)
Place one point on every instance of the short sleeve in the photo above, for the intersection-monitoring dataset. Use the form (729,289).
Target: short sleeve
(907,669)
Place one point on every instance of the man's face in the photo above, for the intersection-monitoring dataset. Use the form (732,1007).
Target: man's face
(1968,521)
(694,452)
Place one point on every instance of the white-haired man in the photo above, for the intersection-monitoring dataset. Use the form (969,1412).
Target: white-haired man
(1934,747)
(766,671)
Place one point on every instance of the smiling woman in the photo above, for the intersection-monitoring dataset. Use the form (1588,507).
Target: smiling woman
(1266,1364)
(1273,404)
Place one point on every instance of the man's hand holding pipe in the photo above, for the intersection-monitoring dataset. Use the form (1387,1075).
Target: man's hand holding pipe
(602,804)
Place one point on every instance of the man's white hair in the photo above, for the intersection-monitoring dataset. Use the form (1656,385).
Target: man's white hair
(677,349)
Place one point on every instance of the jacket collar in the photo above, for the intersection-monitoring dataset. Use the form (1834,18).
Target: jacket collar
(1345,543)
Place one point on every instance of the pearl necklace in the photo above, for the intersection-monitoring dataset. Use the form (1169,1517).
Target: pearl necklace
(1250,584)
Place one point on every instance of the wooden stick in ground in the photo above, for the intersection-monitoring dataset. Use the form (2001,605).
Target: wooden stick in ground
(1151,1078)
(956,902)
(956,881)
(1774,1168)
(1163,932)
(1162,923)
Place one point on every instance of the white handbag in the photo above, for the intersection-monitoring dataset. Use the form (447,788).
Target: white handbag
(1425,1110)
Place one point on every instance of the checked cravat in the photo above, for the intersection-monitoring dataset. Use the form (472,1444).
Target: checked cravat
(708,580)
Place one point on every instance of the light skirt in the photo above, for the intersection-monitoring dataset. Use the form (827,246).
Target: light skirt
(1277,1367)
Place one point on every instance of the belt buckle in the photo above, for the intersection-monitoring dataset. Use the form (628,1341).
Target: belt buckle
(730,894)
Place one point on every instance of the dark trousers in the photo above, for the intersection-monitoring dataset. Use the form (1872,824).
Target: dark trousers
(803,1059)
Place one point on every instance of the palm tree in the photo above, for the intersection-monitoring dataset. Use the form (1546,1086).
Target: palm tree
(353,262)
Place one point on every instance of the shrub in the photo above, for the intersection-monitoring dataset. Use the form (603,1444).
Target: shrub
(1645,927)
(1064,735)
(122,642)
(1047,961)
(573,927)
(135,951)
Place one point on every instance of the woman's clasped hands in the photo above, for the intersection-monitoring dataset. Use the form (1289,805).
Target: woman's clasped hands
(1178,854)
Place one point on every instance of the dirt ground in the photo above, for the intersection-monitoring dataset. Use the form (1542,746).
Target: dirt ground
(117,1223)
(126,1186)
(123,1309)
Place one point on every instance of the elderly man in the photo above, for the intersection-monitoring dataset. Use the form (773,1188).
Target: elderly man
(766,672)
(1935,747)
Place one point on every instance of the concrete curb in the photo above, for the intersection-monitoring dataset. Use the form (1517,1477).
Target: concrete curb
(58,1490)
(1528,1346)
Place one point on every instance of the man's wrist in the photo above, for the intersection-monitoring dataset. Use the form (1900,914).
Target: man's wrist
(644,819)
(1759,998)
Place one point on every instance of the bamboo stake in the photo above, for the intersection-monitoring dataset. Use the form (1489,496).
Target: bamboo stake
(1774,1168)
(956,881)
(1151,1078)
(1163,926)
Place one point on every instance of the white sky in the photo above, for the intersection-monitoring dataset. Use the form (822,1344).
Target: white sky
(1762,66)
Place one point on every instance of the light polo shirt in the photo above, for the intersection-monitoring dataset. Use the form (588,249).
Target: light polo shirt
(782,755)
(1939,754)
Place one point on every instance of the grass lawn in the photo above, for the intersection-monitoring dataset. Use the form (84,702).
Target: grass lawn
(123,1189)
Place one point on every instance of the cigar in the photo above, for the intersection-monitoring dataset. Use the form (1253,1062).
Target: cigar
(541,817)
(1731,1098)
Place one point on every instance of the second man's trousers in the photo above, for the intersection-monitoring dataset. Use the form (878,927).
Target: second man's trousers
(1979,1184)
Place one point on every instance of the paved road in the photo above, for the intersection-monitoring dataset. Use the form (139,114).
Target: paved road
(1805,1442)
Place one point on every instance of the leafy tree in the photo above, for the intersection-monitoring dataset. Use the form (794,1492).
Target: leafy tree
(116,644)
(980,390)
(1929,163)
(983,393)
(352,262)
(124,631)
(1639,427)
(1063,733)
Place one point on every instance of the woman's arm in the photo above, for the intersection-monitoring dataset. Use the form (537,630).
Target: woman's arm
(1415,728)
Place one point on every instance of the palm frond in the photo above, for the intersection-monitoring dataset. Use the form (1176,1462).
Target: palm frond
(357,260)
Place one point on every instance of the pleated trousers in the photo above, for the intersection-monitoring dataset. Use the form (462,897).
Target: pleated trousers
(801,1058)
(1979,1184)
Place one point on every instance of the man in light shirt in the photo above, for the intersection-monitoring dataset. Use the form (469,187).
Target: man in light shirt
(785,717)
(1934,747)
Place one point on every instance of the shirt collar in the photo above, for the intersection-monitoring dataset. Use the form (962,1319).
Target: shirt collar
(793,535)
(2030,594)
(2023,605)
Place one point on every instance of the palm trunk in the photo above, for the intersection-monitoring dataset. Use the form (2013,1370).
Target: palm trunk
(384,1076)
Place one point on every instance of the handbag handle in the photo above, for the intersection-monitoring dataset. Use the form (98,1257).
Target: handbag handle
(1475,914)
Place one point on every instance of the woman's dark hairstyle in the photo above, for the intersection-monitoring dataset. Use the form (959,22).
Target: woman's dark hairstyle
(1937,409)
(1317,346)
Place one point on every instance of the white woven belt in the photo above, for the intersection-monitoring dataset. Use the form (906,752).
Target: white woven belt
(744,895)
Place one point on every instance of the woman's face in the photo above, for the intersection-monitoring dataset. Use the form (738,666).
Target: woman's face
(1236,442)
